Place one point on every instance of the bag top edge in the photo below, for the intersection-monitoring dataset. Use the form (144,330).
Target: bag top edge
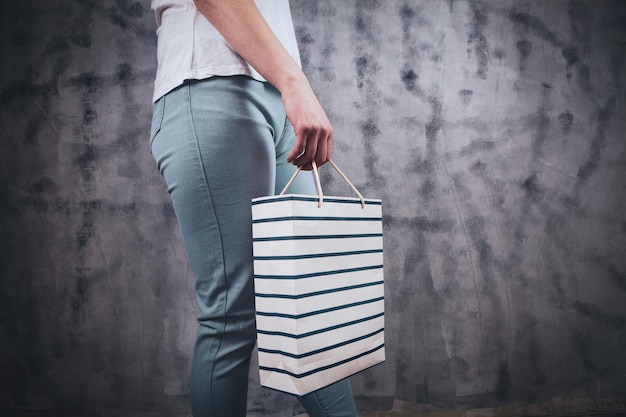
(308,197)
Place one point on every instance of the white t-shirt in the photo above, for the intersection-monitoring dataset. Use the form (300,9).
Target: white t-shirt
(189,47)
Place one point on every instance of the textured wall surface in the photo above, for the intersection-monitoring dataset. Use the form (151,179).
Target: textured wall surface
(493,131)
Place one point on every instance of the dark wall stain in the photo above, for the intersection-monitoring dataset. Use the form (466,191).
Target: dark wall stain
(82,39)
(584,348)
(371,133)
(524,48)
(493,310)
(466,96)
(124,76)
(536,368)
(422,336)
(530,186)
(499,53)
(581,19)
(85,161)
(595,313)
(409,76)
(89,82)
(542,123)
(116,16)
(56,45)
(366,67)
(413,23)
(618,278)
(503,387)
(305,40)
(569,50)
(538,27)
(597,144)
(85,231)
(477,38)
(367,70)
(363,21)
(409,79)
(408,15)
(131,8)
(567,120)
(570,54)
(419,223)
(478,146)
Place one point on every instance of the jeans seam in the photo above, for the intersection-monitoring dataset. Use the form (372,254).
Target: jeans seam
(223,262)
(161,109)
(285,131)
(320,405)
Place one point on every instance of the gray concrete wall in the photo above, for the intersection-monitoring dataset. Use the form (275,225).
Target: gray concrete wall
(493,131)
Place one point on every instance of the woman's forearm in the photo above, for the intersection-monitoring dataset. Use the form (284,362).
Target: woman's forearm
(240,22)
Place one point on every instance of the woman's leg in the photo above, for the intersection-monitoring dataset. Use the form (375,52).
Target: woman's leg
(335,400)
(215,149)
(219,143)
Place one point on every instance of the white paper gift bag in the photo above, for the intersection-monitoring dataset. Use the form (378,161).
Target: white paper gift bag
(318,266)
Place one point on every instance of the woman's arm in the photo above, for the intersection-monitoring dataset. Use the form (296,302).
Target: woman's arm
(245,29)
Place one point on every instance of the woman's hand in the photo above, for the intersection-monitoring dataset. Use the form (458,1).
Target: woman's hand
(314,133)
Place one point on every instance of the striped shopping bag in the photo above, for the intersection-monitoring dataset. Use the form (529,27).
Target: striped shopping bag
(318,277)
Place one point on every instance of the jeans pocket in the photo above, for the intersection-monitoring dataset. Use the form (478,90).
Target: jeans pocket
(158,112)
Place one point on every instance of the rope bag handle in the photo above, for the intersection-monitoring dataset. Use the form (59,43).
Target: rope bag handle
(318,185)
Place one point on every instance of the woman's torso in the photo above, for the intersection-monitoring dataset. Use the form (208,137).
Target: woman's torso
(189,47)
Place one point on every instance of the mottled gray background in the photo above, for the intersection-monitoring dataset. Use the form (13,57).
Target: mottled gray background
(492,130)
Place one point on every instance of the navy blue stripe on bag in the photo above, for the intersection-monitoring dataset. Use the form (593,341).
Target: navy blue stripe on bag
(323,368)
(326,349)
(323,311)
(316,255)
(315,293)
(319,274)
(317,218)
(315,237)
(319,331)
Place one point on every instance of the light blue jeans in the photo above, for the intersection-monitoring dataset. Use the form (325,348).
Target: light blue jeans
(219,143)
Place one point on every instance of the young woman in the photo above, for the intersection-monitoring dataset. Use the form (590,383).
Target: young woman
(234,115)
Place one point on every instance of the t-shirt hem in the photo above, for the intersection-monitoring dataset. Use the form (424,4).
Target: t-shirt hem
(165,87)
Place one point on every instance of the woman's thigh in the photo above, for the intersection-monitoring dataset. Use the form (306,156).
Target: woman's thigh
(216,150)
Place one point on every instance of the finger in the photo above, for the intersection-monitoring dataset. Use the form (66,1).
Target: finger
(324,148)
(297,149)
(307,167)
(309,151)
